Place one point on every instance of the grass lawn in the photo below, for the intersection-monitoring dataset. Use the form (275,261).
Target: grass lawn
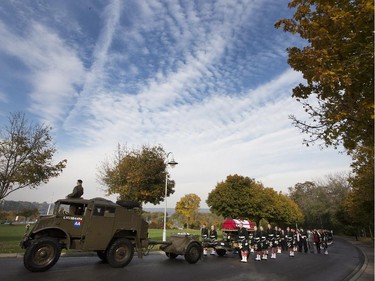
(11,235)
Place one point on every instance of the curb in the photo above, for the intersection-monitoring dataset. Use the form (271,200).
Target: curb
(358,271)
(361,268)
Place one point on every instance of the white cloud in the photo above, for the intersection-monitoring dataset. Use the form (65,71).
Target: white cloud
(3,97)
(55,70)
(207,82)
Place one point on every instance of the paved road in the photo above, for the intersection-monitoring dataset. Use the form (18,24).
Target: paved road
(342,263)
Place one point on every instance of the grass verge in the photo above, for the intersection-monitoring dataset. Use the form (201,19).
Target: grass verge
(11,235)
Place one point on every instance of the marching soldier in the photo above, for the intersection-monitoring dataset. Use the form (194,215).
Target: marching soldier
(304,240)
(204,236)
(213,238)
(289,238)
(283,244)
(243,237)
(278,239)
(264,242)
(271,236)
(251,240)
(257,243)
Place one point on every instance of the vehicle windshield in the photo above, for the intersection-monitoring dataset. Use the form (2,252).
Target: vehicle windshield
(72,209)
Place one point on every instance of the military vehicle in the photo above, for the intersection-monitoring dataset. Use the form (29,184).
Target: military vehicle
(112,230)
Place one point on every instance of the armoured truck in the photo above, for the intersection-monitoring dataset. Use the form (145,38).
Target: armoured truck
(115,231)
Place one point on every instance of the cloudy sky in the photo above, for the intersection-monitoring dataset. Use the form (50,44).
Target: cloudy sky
(207,80)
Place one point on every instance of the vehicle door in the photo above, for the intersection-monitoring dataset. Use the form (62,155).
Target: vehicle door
(70,217)
(98,230)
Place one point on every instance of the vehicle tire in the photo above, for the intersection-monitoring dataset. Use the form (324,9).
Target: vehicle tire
(120,253)
(221,252)
(42,254)
(172,256)
(193,252)
(102,255)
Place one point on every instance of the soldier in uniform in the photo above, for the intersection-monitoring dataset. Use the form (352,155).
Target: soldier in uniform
(289,238)
(252,239)
(278,239)
(271,238)
(264,242)
(304,238)
(77,191)
(257,243)
(213,238)
(283,243)
(243,237)
(324,240)
(204,236)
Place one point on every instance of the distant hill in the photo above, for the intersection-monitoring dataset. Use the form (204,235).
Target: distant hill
(171,210)
(14,206)
(43,207)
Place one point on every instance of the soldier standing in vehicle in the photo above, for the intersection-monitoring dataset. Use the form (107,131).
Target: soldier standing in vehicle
(243,237)
(77,190)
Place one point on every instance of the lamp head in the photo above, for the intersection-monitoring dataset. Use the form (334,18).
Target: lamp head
(172,163)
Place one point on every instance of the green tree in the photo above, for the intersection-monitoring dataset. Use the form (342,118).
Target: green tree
(322,201)
(360,202)
(137,174)
(288,212)
(244,198)
(27,213)
(338,65)
(188,207)
(26,153)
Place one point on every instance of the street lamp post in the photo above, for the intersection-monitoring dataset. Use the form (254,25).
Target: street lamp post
(172,163)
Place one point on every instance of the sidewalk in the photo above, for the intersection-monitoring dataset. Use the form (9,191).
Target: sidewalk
(366,271)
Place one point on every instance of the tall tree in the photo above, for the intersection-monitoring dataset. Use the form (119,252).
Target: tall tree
(338,65)
(137,174)
(244,198)
(26,152)
(322,201)
(188,207)
(27,213)
(288,212)
(360,202)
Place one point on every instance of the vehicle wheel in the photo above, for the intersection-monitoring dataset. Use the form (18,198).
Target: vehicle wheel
(193,253)
(120,253)
(172,256)
(42,254)
(102,255)
(221,252)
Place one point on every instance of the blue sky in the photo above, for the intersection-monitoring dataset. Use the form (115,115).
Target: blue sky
(207,80)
